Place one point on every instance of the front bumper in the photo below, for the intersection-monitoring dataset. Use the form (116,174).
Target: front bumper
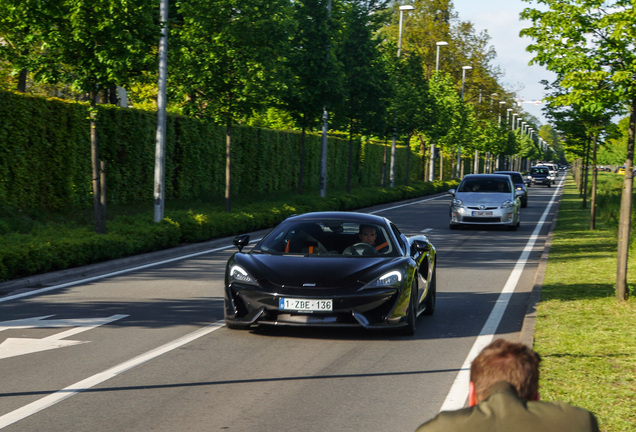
(371,308)
(488,216)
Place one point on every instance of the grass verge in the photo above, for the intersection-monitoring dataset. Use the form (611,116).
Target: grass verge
(587,339)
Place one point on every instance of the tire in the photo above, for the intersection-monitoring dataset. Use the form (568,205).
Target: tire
(453,226)
(411,320)
(431,297)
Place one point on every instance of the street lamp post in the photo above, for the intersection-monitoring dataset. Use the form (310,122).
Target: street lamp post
(402,9)
(393,144)
(459,146)
(431,174)
(439,44)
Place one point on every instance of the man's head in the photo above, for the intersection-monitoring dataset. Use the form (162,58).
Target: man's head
(503,360)
(368,234)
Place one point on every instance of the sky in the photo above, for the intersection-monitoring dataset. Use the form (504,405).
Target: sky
(501,19)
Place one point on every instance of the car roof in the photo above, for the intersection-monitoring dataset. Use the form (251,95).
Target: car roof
(340,215)
(493,176)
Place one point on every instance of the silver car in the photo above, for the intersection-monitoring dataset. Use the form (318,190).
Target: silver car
(485,199)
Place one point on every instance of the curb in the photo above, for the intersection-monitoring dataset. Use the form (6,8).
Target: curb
(526,335)
(70,275)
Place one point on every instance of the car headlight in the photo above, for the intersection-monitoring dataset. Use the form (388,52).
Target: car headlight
(456,202)
(238,274)
(508,204)
(392,278)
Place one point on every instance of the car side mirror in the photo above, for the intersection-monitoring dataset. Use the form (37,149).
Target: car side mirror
(241,241)
(518,192)
(452,191)
(421,246)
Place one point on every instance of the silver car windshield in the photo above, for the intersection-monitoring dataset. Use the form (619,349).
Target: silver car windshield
(487,185)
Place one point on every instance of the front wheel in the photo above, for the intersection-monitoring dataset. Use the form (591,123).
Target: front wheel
(411,319)
(431,296)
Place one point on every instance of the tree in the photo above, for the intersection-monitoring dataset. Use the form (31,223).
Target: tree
(92,46)
(23,24)
(315,79)
(365,79)
(228,60)
(589,44)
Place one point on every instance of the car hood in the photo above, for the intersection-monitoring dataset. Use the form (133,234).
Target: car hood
(320,271)
(484,198)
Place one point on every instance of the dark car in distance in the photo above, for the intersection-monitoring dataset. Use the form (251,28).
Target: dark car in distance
(315,270)
(520,185)
(540,175)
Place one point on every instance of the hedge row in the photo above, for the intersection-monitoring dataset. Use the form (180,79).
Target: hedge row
(60,247)
(45,157)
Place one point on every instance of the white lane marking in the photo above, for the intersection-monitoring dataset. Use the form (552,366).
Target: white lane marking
(458,393)
(408,204)
(426,230)
(13,347)
(107,275)
(72,390)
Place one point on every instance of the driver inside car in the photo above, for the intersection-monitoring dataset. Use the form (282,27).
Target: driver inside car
(368,234)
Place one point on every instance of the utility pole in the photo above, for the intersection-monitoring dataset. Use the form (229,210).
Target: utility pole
(160,147)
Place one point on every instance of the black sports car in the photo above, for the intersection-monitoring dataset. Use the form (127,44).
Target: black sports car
(332,269)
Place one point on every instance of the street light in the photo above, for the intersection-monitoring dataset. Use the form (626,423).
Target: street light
(459,146)
(393,144)
(464,69)
(402,9)
(499,112)
(431,176)
(439,44)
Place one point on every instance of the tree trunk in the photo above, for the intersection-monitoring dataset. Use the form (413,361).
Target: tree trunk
(301,171)
(22,81)
(350,165)
(383,173)
(586,166)
(228,165)
(626,211)
(99,202)
(408,159)
(594,184)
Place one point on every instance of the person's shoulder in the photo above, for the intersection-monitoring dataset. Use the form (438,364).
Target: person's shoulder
(575,417)
(446,421)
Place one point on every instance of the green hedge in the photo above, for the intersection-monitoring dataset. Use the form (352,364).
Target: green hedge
(45,157)
(58,247)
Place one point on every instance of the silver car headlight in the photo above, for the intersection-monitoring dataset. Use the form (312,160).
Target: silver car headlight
(238,274)
(456,202)
(508,204)
(391,279)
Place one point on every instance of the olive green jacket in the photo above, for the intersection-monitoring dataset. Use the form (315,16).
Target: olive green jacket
(504,411)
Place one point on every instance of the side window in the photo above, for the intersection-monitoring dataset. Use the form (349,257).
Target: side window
(400,238)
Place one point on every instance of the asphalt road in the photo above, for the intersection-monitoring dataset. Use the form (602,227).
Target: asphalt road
(114,347)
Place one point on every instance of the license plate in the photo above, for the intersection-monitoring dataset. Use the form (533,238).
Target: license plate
(482,213)
(306,305)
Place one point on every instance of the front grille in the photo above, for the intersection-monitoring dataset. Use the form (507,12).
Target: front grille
(482,219)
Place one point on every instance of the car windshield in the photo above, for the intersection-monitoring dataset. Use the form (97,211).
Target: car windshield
(538,171)
(488,184)
(515,176)
(328,238)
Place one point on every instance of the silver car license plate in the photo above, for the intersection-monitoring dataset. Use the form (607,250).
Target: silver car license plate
(482,213)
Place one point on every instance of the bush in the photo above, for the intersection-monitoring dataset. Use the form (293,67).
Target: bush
(59,246)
